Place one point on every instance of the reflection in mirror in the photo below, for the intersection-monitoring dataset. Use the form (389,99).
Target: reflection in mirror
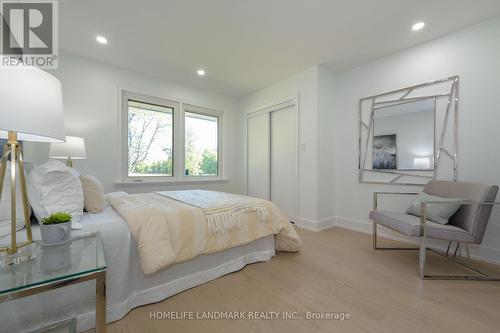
(403,135)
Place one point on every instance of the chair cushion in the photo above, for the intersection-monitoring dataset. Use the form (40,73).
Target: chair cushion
(409,225)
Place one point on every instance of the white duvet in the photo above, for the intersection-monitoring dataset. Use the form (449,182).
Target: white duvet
(169,231)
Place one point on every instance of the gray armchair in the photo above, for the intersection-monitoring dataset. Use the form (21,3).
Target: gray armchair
(466,226)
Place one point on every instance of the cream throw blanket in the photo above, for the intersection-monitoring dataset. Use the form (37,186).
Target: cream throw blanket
(222,210)
(169,231)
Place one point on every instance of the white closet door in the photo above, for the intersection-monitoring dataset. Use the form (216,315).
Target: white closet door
(259,176)
(284,160)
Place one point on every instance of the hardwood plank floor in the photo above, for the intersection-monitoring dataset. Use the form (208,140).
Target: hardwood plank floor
(337,271)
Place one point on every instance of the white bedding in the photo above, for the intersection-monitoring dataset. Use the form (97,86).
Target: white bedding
(222,210)
(127,286)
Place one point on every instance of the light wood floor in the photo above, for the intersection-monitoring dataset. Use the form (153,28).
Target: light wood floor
(337,271)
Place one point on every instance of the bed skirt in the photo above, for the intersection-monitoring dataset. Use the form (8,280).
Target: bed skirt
(228,261)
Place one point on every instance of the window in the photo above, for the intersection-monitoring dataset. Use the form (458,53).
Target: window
(149,139)
(165,140)
(201,144)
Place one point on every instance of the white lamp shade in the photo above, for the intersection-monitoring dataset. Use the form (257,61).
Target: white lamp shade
(30,104)
(74,147)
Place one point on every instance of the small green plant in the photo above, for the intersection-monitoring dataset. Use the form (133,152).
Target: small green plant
(59,217)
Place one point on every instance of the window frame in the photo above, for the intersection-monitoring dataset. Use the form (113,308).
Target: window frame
(178,140)
(128,96)
(189,108)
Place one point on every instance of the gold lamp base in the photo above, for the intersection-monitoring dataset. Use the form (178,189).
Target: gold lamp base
(13,149)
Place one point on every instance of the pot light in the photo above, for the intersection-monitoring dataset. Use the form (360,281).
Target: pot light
(101,40)
(200,72)
(418,26)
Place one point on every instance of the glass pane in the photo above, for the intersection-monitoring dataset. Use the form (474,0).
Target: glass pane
(150,133)
(82,255)
(201,145)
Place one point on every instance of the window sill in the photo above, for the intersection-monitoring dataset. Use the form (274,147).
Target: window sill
(143,183)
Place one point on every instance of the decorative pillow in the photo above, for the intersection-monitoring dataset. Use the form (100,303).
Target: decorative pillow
(53,187)
(93,194)
(439,213)
(5,203)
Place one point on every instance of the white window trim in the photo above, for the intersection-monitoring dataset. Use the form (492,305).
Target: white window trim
(178,162)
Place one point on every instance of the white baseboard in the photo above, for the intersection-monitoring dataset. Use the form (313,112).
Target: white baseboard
(479,252)
(315,225)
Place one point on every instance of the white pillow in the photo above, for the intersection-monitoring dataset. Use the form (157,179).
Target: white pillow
(439,213)
(5,203)
(54,187)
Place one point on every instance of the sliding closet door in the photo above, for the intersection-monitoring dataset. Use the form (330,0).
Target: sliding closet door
(284,160)
(258,159)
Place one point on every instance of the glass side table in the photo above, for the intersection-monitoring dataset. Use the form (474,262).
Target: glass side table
(52,267)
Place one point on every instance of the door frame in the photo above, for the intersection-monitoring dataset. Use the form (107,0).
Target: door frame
(293,102)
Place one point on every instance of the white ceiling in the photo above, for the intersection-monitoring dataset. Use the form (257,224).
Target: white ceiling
(245,45)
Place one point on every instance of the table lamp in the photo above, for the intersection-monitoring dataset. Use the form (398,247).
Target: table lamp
(31,109)
(72,149)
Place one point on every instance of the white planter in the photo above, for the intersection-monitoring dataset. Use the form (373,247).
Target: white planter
(54,234)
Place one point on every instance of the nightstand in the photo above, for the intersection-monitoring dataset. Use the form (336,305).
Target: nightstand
(52,267)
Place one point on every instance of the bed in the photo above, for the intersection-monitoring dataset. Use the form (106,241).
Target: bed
(127,284)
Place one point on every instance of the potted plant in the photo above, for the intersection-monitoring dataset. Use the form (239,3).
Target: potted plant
(56,228)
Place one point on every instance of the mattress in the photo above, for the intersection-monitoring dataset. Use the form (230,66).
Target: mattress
(127,286)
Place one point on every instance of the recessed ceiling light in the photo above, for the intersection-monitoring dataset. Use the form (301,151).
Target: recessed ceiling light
(418,26)
(101,40)
(200,72)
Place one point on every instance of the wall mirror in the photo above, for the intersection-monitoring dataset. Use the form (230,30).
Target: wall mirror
(409,136)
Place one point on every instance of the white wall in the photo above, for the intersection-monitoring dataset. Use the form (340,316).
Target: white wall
(472,53)
(91,106)
(304,85)
(326,159)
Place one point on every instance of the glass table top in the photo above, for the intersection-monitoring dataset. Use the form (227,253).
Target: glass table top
(44,264)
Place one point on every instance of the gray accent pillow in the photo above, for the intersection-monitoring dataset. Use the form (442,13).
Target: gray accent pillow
(439,213)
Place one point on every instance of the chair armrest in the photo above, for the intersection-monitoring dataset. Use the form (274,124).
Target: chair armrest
(376,194)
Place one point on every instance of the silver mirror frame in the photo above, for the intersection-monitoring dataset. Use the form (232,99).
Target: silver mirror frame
(441,151)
